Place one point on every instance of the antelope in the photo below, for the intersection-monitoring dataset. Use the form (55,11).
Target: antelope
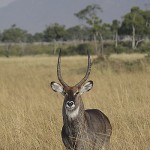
(82,129)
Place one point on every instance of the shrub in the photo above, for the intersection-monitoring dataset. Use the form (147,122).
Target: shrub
(145,47)
(121,49)
(68,51)
(81,49)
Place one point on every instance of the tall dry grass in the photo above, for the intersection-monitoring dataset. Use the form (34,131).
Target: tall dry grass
(30,113)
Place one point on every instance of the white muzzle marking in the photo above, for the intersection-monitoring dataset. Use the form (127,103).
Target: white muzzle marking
(72,114)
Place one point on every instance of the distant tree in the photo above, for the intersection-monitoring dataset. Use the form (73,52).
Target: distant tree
(103,32)
(14,34)
(29,38)
(1,36)
(54,32)
(78,33)
(114,28)
(38,37)
(11,35)
(146,16)
(74,33)
(85,33)
(133,24)
(89,14)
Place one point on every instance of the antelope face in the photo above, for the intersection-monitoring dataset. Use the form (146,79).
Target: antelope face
(71,101)
(71,94)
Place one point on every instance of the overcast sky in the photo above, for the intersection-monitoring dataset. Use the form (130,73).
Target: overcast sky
(5,2)
(34,15)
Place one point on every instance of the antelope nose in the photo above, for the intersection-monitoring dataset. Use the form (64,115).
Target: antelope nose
(70,103)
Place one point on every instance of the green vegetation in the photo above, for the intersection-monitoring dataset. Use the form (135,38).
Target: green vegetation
(42,48)
(132,34)
(89,14)
(68,48)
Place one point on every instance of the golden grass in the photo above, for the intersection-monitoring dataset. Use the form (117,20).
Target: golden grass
(127,57)
(30,112)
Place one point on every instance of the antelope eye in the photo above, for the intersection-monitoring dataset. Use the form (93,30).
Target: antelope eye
(65,93)
(76,93)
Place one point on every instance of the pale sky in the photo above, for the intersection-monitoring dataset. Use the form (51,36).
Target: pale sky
(5,2)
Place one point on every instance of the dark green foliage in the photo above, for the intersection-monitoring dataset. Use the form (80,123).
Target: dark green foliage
(133,18)
(77,33)
(36,49)
(68,51)
(38,37)
(121,49)
(14,34)
(82,49)
(54,32)
(145,47)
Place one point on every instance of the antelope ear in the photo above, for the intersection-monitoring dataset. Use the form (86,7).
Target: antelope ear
(56,87)
(86,87)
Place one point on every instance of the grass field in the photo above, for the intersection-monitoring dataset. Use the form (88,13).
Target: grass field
(30,112)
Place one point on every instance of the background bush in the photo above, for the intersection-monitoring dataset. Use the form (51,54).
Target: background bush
(68,48)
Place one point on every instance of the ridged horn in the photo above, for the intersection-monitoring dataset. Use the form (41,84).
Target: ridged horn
(87,72)
(59,71)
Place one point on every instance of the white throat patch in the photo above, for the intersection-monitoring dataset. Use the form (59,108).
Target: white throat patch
(72,114)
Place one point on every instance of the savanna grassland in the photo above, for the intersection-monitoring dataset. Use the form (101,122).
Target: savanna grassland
(30,112)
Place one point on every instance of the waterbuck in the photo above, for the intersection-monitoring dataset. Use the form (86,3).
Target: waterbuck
(83,129)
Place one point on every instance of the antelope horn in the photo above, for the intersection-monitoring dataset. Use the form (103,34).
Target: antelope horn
(87,72)
(59,71)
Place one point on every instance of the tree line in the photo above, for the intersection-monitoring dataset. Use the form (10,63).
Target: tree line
(135,24)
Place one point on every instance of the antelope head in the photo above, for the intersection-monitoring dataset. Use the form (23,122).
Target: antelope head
(72,94)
